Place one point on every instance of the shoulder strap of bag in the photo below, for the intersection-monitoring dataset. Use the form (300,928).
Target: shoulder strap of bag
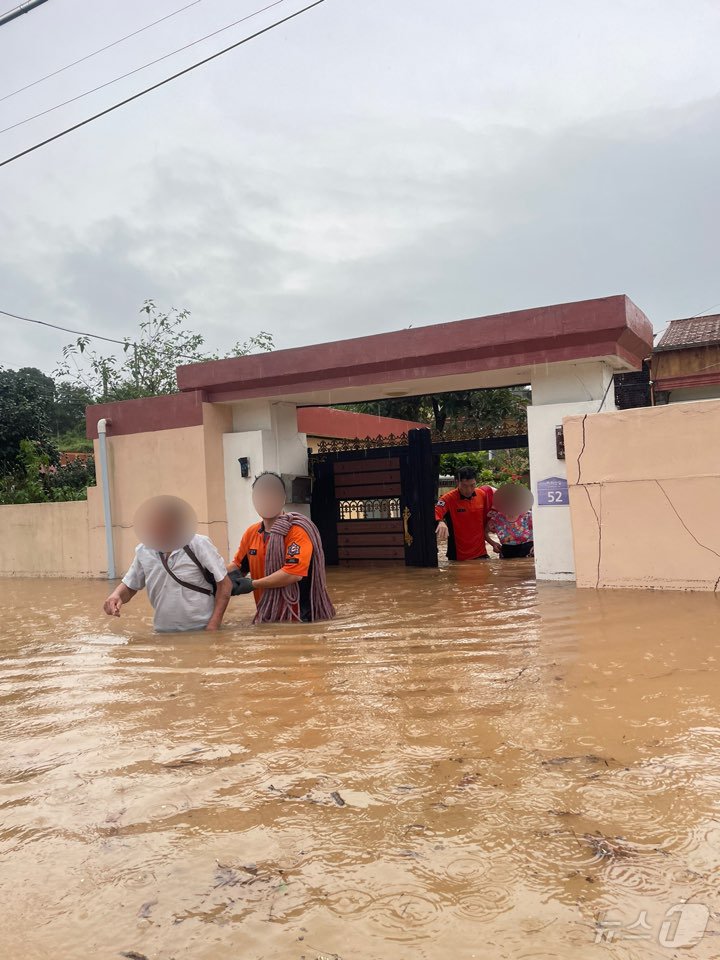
(204,570)
(184,583)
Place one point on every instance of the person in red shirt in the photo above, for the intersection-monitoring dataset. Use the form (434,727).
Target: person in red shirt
(489,494)
(461,516)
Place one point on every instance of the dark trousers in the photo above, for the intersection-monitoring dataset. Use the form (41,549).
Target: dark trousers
(510,551)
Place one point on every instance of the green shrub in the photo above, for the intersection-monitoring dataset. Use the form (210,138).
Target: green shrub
(38,477)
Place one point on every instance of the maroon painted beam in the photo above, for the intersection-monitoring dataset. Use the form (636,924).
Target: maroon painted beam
(149,413)
(605,327)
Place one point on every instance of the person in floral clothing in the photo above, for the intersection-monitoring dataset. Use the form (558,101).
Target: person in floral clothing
(509,527)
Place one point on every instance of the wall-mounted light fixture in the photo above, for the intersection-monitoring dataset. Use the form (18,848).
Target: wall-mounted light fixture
(244,466)
(559,443)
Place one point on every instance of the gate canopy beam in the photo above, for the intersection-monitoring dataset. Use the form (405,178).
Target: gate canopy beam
(494,351)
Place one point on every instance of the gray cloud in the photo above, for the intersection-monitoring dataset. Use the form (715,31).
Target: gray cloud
(319,220)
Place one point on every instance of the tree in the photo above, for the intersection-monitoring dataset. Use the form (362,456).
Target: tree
(39,416)
(486,408)
(416,409)
(511,466)
(26,403)
(147,366)
(68,413)
(505,466)
(37,476)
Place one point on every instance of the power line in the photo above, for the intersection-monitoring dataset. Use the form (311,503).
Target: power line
(161,83)
(19,11)
(108,46)
(130,73)
(96,336)
(78,333)
(711,307)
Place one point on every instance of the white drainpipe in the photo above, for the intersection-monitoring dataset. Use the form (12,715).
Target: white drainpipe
(102,440)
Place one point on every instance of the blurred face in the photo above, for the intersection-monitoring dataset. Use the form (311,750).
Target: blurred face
(165,523)
(268,497)
(467,487)
(512,500)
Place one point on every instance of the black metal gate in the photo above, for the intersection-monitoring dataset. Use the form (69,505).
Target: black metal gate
(376,503)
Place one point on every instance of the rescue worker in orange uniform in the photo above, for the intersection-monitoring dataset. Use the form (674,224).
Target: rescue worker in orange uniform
(250,561)
(295,577)
(461,515)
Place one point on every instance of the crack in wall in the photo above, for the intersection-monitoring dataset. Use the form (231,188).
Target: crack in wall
(582,448)
(598,516)
(600,538)
(698,542)
(598,520)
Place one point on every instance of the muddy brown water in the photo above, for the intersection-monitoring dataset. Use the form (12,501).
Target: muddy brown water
(464,764)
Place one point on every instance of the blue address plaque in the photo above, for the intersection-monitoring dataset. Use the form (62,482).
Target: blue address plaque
(552,492)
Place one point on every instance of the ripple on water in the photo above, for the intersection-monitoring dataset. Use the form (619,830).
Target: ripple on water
(349,902)
(466,868)
(407,913)
(101,639)
(560,849)
(453,867)
(418,701)
(640,874)
(645,809)
(283,762)
(488,902)
(136,879)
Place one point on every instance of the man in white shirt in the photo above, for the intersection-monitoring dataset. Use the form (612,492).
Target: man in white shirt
(188,586)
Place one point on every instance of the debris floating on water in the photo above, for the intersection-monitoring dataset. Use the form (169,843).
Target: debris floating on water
(144,911)
(612,848)
(586,757)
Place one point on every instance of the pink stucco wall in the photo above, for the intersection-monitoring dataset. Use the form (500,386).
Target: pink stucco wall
(644,492)
(68,539)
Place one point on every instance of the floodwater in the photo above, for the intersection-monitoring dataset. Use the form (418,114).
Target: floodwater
(464,764)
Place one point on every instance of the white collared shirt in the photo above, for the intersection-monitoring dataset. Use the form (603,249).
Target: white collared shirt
(176,607)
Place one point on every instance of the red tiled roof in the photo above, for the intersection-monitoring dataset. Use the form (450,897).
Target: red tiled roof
(693,332)
(67,457)
(328,422)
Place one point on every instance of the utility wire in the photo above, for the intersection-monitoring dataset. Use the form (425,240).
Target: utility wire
(95,336)
(611,381)
(161,83)
(130,73)
(108,46)
(695,316)
(78,333)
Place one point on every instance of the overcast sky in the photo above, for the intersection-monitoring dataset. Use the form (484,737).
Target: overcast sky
(370,165)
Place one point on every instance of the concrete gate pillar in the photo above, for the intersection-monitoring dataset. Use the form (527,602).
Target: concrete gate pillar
(558,391)
(266,433)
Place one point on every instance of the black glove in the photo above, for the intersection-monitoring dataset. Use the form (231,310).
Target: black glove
(240,584)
